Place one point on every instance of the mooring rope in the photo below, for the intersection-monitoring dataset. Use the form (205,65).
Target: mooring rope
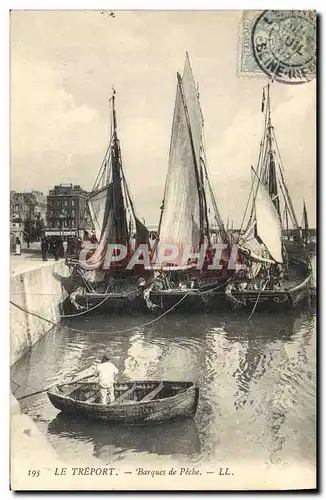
(92,308)
(32,313)
(116,331)
(101,332)
(254,308)
(137,326)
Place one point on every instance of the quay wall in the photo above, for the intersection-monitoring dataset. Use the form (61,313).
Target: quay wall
(35,289)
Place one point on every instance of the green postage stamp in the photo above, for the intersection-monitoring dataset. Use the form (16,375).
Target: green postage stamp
(278,43)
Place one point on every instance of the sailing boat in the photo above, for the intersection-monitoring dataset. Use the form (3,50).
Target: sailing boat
(189,219)
(116,224)
(270,277)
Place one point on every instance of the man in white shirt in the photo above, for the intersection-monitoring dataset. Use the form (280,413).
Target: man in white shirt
(106,372)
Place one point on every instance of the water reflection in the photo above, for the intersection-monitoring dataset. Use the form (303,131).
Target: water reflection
(259,338)
(294,391)
(179,438)
(256,379)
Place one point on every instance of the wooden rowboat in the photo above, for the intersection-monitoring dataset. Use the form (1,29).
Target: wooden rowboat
(137,402)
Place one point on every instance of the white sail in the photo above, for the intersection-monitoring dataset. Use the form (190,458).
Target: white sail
(268,227)
(96,204)
(180,222)
(193,106)
(250,245)
(180,218)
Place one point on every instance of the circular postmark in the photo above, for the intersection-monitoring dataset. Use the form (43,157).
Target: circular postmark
(284,45)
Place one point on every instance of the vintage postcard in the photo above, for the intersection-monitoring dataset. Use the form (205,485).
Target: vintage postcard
(163,250)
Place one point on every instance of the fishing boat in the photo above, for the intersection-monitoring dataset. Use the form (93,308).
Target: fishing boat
(137,402)
(117,226)
(189,217)
(269,277)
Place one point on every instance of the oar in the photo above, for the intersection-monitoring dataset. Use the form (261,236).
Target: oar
(51,387)
(58,383)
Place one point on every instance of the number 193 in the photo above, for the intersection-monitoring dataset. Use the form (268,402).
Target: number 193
(33,473)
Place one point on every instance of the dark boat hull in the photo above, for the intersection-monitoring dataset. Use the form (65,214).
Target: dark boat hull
(213,298)
(195,301)
(265,301)
(290,297)
(181,404)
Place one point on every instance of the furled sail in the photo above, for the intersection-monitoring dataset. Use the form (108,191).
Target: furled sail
(142,233)
(305,232)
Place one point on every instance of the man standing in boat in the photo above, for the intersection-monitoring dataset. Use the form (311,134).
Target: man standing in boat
(106,372)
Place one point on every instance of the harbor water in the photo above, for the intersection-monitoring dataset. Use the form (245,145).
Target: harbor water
(257,382)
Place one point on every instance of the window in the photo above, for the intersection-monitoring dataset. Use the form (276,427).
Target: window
(73,213)
(66,203)
(58,203)
(73,203)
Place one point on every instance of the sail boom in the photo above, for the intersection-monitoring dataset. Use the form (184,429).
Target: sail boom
(255,256)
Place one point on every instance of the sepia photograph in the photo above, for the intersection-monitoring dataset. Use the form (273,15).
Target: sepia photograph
(163,242)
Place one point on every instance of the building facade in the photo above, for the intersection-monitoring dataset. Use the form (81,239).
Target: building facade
(67,209)
(27,214)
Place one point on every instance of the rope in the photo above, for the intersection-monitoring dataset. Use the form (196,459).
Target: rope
(94,307)
(101,332)
(81,313)
(116,331)
(138,326)
(254,308)
(32,313)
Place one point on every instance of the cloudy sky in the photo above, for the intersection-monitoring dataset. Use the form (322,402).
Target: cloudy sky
(64,65)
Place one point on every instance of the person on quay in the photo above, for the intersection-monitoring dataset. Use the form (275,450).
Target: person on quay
(51,247)
(18,246)
(44,247)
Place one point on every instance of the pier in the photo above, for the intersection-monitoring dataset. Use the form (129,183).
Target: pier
(33,287)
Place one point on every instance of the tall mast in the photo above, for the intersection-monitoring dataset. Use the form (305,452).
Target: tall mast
(272,179)
(198,171)
(119,206)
